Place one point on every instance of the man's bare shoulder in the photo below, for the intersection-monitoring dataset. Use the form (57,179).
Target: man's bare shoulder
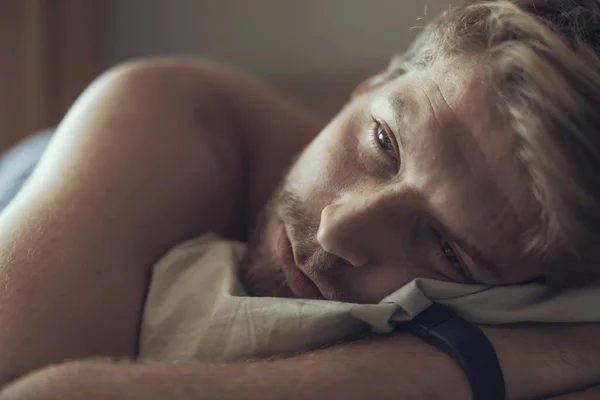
(147,157)
(267,127)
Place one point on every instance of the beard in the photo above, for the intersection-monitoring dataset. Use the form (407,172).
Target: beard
(260,271)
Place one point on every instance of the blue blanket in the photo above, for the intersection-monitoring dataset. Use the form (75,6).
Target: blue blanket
(18,163)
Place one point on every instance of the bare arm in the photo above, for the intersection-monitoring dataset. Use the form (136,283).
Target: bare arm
(592,393)
(145,159)
(153,154)
(538,362)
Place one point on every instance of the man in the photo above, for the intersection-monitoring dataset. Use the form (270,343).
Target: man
(454,168)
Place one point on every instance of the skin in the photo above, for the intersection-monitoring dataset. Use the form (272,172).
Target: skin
(126,179)
(383,195)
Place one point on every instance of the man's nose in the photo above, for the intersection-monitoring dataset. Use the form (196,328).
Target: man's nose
(358,228)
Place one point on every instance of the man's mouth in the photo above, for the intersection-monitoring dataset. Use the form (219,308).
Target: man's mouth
(300,284)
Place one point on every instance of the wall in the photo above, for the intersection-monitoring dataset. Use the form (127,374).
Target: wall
(47,56)
(311,48)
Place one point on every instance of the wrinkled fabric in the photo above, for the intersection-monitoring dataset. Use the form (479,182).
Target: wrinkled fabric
(197,310)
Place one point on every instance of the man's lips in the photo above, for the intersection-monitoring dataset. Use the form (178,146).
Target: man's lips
(300,284)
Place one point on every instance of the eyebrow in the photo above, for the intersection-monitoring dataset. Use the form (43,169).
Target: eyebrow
(399,106)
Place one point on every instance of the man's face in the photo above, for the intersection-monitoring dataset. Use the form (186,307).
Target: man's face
(417,177)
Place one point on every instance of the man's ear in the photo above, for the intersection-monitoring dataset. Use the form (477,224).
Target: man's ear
(395,63)
(364,86)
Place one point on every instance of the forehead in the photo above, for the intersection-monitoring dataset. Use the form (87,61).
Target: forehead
(460,152)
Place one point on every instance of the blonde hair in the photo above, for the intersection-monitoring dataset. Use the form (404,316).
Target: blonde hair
(543,61)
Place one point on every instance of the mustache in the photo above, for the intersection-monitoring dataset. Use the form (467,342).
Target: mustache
(324,267)
(302,228)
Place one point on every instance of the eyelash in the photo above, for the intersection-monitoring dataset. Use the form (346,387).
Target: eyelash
(375,137)
(445,242)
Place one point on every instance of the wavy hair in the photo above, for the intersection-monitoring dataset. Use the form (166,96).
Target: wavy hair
(542,58)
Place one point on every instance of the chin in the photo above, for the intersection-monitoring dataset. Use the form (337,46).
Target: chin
(260,273)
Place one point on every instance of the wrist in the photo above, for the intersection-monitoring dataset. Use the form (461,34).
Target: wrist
(546,360)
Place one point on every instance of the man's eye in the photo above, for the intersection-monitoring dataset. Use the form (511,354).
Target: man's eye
(449,252)
(385,140)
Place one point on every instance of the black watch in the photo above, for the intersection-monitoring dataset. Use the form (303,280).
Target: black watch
(464,342)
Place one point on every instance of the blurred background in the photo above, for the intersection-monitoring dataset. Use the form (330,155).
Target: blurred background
(315,50)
